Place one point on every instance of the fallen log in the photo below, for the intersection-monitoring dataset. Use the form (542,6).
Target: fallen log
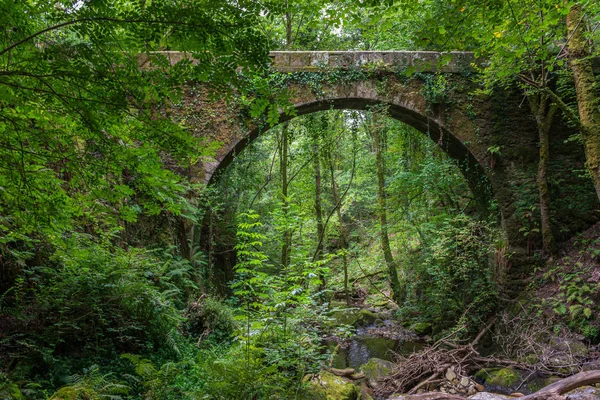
(557,389)
(554,391)
(341,372)
(349,373)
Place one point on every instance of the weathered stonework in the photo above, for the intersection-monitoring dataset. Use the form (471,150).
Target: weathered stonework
(466,125)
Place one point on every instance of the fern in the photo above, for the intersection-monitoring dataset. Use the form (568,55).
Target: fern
(155,380)
(91,385)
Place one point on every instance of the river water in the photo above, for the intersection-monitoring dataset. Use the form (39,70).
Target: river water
(363,346)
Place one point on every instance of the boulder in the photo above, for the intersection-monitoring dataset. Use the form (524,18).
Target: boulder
(347,316)
(422,328)
(354,317)
(327,386)
(573,347)
(366,317)
(377,369)
(499,377)
(584,393)
(568,352)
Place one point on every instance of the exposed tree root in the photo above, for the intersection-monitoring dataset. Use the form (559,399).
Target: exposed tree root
(422,369)
(426,369)
(554,391)
(349,373)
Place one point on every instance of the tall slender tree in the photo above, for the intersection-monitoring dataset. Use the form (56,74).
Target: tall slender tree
(378,132)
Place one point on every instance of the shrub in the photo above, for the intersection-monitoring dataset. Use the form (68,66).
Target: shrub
(209,318)
(451,278)
(97,301)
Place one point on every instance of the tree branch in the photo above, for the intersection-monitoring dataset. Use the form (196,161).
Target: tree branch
(94,19)
(567,111)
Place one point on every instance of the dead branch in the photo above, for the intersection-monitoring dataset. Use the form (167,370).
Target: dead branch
(342,372)
(557,389)
(425,367)
(349,373)
(554,391)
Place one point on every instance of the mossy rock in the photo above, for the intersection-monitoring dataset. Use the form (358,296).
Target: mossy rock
(573,347)
(337,304)
(328,386)
(354,317)
(584,393)
(422,328)
(345,317)
(499,377)
(538,382)
(377,369)
(530,359)
(366,317)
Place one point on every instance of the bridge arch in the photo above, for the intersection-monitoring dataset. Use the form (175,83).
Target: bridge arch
(470,167)
(493,137)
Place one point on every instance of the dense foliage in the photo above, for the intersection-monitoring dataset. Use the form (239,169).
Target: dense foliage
(102,296)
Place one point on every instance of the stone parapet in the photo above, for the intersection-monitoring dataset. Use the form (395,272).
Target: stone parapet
(422,61)
(304,61)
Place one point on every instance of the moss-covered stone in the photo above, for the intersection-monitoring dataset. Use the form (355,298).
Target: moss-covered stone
(345,317)
(354,317)
(501,377)
(575,348)
(530,359)
(584,393)
(327,386)
(377,369)
(422,328)
(366,317)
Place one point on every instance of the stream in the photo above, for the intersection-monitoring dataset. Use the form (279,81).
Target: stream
(369,343)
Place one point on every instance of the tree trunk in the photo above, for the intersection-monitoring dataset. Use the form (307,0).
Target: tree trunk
(318,203)
(586,87)
(283,162)
(288,27)
(378,136)
(343,230)
(544,112)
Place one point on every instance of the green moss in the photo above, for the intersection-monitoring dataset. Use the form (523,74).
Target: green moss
(530,359)
(366,317)
(504,377)
(540,382)
(422,328)
(354,317)
(330,387)
(377,368)
(345,317)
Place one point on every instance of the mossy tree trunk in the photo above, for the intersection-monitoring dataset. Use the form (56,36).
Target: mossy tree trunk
(588,99)
(543,110)
(378,134)
(318,194)
(283,163)
(343,231)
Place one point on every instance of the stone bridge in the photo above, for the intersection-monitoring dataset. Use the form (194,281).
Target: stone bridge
(493,138)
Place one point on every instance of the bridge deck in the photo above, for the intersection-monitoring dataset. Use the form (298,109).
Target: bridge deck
(424,61)
(296,61)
